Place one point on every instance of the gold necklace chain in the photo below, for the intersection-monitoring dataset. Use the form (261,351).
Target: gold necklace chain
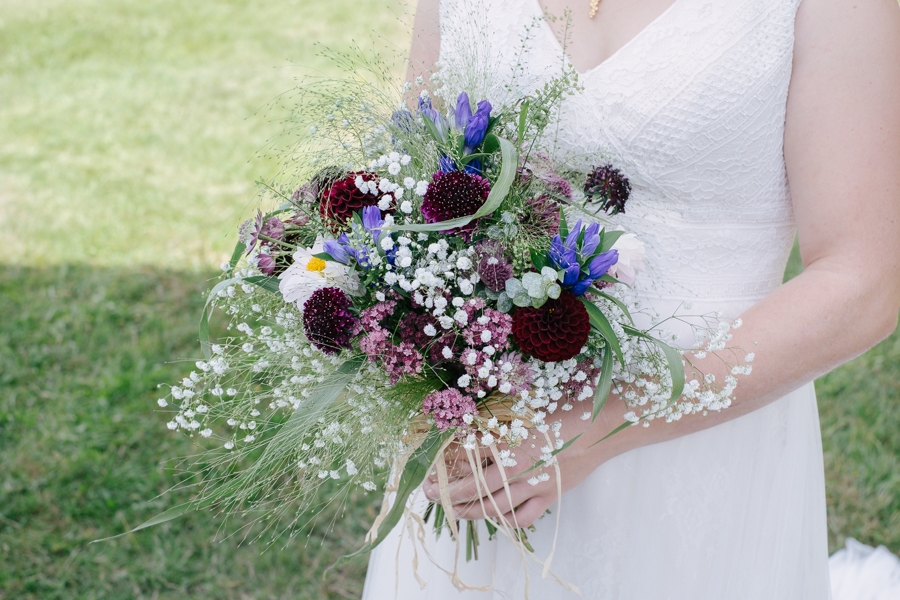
(595,4)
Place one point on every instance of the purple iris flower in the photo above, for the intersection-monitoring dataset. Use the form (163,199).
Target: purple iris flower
(342,249)
(434,116)
(477,125)
(577,257)
(403,120)
(446,164)
(463,111)
(337,251)
(473,167)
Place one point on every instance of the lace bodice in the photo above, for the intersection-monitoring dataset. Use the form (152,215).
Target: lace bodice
(692,109)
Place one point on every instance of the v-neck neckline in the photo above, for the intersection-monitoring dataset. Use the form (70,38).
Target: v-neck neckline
(640,34)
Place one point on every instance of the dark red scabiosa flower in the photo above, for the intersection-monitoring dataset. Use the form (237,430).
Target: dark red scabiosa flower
(343,197)
(556,331)
(608,186)
(453,195)
(327,320)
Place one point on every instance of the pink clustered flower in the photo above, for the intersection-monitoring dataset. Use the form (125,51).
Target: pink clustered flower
(492,328)
(515,374)
(396,359)
(577,388)
(448,408)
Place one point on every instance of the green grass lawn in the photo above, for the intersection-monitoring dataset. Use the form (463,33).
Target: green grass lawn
(128,133)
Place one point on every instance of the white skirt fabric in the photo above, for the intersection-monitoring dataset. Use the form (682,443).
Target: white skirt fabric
(860,572)
(733,512)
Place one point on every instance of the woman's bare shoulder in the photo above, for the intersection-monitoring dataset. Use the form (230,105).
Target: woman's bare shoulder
(426,40)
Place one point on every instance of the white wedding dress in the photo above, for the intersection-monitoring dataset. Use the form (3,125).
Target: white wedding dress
(692,110)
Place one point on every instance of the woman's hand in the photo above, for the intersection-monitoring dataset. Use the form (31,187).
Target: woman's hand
(519,502)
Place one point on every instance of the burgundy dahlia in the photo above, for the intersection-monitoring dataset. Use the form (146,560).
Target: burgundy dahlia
(609,186)
(453,195)
(556,331)
(327,321)
(342,198)
(448,407)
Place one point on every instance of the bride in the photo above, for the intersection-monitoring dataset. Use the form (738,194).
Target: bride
(742,122)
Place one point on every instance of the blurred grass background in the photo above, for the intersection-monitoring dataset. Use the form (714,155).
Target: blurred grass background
(128,131)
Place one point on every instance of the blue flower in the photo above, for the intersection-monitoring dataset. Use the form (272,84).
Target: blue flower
(363,242)
(337,251)
(403,120)
(446,164)
(440,123)
(463,112)
(477,125)
(578,258)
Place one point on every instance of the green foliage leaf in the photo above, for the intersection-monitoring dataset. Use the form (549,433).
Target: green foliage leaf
(432,130)
(236,255)
(523,120)
(538,259)
(270,284)
(604,386)
(601,324)
(414,474)
(490,145)
(617,302)
(563,225)
(609,238)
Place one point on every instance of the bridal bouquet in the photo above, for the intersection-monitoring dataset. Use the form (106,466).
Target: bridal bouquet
(426,282)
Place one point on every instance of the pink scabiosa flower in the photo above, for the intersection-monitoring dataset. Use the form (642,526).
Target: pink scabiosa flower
(448,408)
(452,195)
(327,321)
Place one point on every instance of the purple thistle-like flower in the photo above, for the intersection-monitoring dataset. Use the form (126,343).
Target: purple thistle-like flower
(266,264)
(541,215)
(609,186)
(249,231)
(273,229)
(448,407)
(327,321)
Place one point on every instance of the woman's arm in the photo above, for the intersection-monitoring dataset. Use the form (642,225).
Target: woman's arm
(842,151)
(426,40)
